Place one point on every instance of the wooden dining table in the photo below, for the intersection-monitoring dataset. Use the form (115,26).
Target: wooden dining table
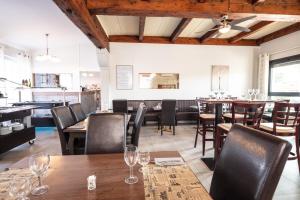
(67,177)
(78,130)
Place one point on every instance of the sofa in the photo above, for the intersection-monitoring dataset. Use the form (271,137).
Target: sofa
(184,112)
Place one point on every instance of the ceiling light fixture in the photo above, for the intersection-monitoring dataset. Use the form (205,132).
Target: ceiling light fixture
(225,29)
(47,56)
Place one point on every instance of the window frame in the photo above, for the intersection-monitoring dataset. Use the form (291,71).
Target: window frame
(272,64)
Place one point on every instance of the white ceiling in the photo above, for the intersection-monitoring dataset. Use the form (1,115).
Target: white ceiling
(164,27)
(275,26)
(24,23)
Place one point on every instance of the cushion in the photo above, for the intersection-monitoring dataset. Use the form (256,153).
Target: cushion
(207,116)
(237,116)
(225,126)
(280,130)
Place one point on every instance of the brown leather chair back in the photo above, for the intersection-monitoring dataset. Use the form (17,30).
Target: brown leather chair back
(77,112)
(62,118)
(250,165)
(105,133)
(139,119)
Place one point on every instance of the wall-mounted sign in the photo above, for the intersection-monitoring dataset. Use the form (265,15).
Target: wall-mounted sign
(124,77)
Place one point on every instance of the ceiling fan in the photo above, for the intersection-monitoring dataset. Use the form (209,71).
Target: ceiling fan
(224,24)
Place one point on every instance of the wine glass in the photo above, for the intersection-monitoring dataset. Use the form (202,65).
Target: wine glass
(144,159)
(19,188)
(257,92)
(39,164)
(250,93)
(131,158)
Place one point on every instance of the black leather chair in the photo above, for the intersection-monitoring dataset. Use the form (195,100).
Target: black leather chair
(250,165)
(77,112)
(63,118)
(105,133)
(168,114)
(120,106)
(133,137)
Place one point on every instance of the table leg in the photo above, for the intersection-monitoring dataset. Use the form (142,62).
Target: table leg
(218,120)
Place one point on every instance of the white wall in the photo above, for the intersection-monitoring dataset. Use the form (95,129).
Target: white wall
(282,47)
(192,62)
(74,59)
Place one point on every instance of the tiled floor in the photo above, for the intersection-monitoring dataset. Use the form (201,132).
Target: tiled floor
(183,141)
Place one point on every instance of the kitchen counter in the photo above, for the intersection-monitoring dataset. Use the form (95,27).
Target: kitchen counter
(8,110)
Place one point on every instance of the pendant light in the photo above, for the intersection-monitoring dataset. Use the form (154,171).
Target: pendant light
(47,56)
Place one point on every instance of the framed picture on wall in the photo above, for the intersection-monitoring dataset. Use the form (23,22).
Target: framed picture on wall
(220,78)
(124,77)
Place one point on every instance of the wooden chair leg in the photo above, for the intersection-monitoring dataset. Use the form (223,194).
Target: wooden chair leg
(203,138)
(197,132)
(196,139)
(297,147)
(161,130)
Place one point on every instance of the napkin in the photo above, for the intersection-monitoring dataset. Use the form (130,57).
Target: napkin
(169,161)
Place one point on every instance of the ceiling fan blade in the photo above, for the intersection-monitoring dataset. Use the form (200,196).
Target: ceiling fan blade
(237,21)
(212,29)
(240,28)
(217,35)
(216,21)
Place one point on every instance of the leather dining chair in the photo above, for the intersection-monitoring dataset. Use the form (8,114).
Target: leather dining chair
(77,112)
(134,135)
(105,133)
(63,118)
(120,106)
(250,165)
(168,115)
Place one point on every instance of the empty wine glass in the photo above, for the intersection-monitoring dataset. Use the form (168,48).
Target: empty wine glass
(19,188)
(131,158)
(250,93)
(39,164)
(144,159)
(256,92)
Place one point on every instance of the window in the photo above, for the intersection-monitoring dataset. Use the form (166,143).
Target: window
(284,77)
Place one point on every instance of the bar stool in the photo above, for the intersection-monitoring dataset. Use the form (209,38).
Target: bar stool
(252,114)
(206,117)
(286,124)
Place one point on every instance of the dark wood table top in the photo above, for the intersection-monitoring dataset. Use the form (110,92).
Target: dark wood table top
(80,127)
(67,177)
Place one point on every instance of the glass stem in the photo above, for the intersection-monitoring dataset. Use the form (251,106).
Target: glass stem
(40,181)
(131,171)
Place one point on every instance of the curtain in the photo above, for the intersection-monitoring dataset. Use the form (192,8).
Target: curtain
(263,74)
(2,72)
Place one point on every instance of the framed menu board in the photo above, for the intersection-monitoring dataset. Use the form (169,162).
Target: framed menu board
(124,77)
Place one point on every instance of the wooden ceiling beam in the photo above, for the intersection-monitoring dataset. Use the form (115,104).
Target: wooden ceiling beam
(78,13)
(253,29)
(271,10)
(142,22)
(208,35)
(180,40)
(255,2)
(181,26)
(280,33)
